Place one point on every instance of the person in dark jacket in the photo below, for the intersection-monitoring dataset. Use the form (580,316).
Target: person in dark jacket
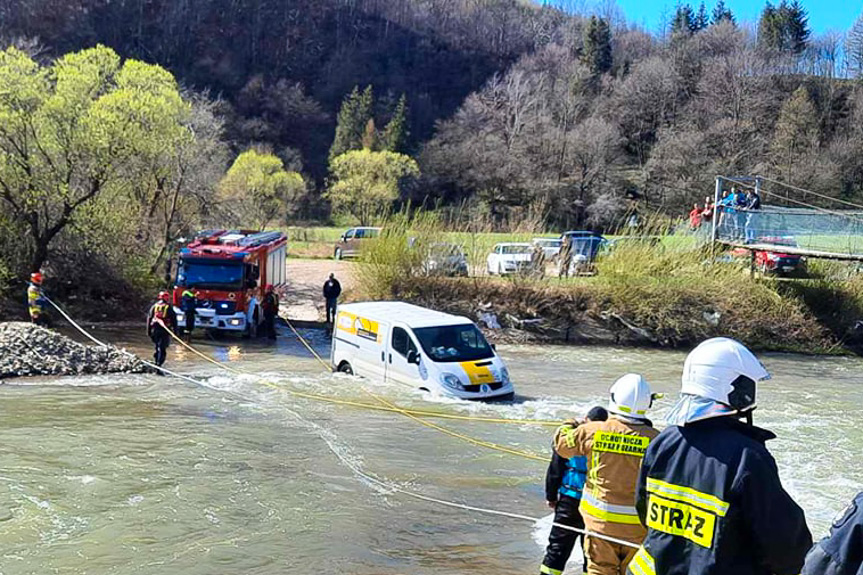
(271,311)
(189,304)
(709,491)
(160,319)
(842,552)
(332,291)
(564,482)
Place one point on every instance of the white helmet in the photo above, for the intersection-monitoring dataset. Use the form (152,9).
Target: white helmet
(630,396)
(723,370)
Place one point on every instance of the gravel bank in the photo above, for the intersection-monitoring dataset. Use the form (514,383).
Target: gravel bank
(28,350)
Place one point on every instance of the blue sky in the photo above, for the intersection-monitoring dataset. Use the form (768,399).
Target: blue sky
(823,14)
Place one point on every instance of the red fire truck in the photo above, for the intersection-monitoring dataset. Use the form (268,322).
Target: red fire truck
(227,270)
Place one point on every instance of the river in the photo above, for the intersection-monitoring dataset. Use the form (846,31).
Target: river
(152,475)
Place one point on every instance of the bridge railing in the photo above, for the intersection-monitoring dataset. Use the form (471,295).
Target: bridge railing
(818,231)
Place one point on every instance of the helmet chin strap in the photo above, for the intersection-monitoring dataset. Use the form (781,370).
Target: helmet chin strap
(747,416)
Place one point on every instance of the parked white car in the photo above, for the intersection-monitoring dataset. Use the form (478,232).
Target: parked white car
(550,247)
(509,258)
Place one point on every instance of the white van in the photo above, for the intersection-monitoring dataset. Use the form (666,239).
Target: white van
(423,348)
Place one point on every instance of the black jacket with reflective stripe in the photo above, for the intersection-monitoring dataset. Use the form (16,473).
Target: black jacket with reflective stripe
(711,498)
(842,552)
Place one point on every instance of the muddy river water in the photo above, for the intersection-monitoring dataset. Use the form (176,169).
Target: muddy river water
(152,475)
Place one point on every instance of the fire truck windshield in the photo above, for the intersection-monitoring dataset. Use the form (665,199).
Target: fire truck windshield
(210,274)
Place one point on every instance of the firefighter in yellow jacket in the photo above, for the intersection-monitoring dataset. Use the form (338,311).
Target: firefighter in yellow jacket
(614,449)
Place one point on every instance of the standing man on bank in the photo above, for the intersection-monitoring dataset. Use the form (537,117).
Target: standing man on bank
(709,491)
(614,449)
(36,300)
(332,291)
(564,484)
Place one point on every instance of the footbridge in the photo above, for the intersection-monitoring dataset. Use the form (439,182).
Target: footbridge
(790,219)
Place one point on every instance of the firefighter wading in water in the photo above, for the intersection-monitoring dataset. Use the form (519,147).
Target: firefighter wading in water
(161,319)
(709,491)
(614,449)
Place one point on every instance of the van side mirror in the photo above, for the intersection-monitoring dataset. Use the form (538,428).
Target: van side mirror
(344,238)
(413,357)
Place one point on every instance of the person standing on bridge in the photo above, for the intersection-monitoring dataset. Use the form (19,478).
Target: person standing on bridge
(160,322)
(709,491)
(753,204)
(564,484)
(271,311)
(332,291)
(614,449)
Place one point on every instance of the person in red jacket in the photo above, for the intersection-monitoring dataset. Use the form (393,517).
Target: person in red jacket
(695,217)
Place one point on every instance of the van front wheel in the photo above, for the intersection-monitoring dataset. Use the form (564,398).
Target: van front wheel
(345,367)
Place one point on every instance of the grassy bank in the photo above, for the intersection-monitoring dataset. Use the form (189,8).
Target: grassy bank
(667,294)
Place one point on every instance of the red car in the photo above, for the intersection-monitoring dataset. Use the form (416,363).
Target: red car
(776,261)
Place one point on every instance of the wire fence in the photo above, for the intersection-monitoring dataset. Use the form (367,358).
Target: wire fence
(805,229)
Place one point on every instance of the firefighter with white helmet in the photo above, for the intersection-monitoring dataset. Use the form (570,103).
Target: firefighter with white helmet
(614,449)
(709,491)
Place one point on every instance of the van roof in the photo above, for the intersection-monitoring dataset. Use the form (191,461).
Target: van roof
(412,315)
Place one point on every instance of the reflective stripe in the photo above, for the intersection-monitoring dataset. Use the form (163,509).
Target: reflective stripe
(688,495)
(609,512)
(549,570)
(642,563)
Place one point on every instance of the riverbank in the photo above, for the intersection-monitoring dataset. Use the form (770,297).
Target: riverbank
(29,350)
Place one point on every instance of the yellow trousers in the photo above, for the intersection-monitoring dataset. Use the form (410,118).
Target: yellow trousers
(606,558)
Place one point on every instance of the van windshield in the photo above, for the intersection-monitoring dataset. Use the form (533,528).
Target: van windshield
(453,343)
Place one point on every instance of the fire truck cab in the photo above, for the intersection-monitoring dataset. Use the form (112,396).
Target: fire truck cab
(227,270)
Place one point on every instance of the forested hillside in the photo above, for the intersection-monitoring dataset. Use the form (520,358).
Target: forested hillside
(535,105)
(538,116)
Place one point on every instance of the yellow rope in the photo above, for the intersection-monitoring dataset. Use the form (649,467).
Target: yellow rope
(393,409)
(457,435)
(389,406)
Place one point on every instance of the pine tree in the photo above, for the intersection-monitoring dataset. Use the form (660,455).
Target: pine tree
(770,29)
(701,20)
(796,128)
(721,13)
(346,124)
(797,27)
(365,111)
(394,138)
(354,115)
(785,28)
(683,23)
(370,136)
(597,46)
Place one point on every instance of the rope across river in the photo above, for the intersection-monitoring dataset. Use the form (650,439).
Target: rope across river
(385,406)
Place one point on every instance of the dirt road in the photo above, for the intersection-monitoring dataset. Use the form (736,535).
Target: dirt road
(303,298)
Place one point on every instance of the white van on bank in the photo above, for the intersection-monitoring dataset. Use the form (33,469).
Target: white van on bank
(423,348)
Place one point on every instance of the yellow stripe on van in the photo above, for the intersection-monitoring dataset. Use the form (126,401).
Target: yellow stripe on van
(477,374)
(358,326)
